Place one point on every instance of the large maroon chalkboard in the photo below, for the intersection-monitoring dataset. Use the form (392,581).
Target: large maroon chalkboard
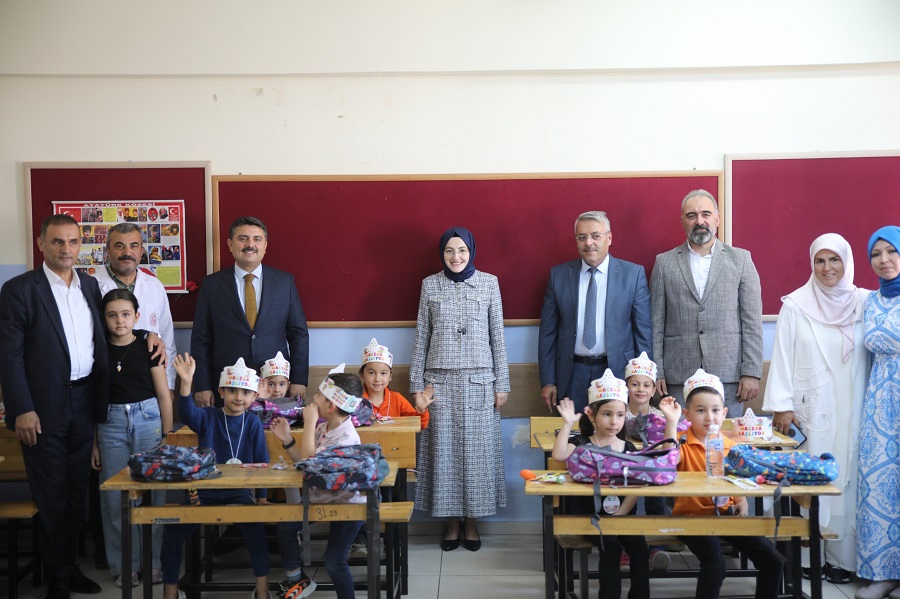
(129,182)
(360,247)
(780,205)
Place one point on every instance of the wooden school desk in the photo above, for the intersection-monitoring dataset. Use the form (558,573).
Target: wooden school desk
(398,444)
(687,484)
(235,476)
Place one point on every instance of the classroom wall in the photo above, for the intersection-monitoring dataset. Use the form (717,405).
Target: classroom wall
(325,87)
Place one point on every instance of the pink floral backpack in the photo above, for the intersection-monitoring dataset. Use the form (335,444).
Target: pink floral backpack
(649,466)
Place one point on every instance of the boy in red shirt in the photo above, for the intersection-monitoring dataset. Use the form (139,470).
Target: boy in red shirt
(705,404)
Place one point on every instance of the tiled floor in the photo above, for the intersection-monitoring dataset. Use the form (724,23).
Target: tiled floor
(506,567)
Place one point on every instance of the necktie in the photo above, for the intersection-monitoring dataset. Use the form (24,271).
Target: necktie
(589,335)
(250,300)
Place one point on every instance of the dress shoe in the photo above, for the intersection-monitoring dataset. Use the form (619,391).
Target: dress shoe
(79,583)
(473,544)
(58,589)
(876,590)
(450,544)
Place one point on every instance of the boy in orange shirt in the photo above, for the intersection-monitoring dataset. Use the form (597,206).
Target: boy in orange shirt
(705,404)
(376,372)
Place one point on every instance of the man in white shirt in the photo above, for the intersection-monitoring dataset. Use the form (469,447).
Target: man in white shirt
(124,247)
(596,315)
(54,374)
(707,309)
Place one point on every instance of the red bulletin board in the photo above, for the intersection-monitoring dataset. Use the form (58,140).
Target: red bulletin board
(359,247)
(779,204)
(127,182)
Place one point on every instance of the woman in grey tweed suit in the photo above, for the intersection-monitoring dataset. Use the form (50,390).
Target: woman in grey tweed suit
(460,351)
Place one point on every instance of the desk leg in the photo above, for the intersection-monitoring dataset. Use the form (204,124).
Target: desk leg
(373,531)
(147,557)
(815,547)
(549,570)
(403,534)
(126,546)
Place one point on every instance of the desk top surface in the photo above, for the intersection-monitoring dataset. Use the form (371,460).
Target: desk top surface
(234,476)
(687,484)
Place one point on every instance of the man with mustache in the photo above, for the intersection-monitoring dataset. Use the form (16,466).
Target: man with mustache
(249,311)
(707,309)
(596,315)
(124,248)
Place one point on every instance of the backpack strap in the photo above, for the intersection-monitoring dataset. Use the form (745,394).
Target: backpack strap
(598,505)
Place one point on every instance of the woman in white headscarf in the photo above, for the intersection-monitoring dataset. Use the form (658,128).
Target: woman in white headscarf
(817,380)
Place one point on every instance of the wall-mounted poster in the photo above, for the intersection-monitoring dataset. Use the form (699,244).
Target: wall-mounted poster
(162,229)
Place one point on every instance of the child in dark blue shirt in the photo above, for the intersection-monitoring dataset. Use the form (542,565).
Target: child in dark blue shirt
(236,437)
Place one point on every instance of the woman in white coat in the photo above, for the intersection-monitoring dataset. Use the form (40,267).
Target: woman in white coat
(817,380)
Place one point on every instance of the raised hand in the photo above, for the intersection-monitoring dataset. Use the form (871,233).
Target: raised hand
(566,408)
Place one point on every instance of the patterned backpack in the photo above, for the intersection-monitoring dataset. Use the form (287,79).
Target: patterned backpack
(170,463)
(788,467)
(650,428)
(649,466)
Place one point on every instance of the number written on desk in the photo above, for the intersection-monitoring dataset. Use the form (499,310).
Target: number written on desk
(324,512)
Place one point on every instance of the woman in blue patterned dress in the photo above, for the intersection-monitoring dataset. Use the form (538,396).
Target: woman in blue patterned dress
(878,516)
(460,351)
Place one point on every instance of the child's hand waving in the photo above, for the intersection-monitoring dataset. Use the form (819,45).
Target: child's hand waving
(671,408)
(425,398)
(185,366)
(566,408)
(281,429)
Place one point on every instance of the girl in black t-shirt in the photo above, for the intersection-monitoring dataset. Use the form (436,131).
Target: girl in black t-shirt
(601,425)
(140,411)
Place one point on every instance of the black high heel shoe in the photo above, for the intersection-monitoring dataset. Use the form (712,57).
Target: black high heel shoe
(450,544)
(473,545)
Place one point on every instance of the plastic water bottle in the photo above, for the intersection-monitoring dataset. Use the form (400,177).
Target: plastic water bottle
(715,452)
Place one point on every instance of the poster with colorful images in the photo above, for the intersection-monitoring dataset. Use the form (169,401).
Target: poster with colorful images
(161,223)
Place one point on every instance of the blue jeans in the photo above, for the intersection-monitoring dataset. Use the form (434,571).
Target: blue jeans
(340,537)
(286,532)
(131,428)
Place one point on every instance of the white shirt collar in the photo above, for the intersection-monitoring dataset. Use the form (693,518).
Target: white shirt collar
(711,250)
(602,267)
(55,279)
(241,273)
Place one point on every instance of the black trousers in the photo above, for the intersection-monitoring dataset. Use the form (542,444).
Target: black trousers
(611,573)
(58,467)
(761,552)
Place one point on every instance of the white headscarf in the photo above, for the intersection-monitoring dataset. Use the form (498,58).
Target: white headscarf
(840,306)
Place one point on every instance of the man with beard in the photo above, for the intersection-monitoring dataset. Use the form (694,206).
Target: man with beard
(124,248)
(249,311)
(707,309)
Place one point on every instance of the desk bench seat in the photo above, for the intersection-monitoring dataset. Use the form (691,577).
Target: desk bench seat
(13,512)
(680,526)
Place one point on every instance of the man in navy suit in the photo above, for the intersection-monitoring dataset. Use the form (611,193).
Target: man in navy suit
(588,326)
(249,311)
(54,374)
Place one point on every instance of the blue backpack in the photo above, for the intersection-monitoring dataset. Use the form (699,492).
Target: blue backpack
(168,463)
(786,467)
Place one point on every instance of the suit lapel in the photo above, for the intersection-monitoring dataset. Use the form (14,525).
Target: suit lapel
(574,275)
(612,283)
(231,294)
(267,293)
(46,295)
(684,261)
(718,263)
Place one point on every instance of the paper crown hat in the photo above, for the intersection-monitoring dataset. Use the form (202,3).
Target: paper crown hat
(276,366)
(701,378)
(641,365)
(606,388)
(336,395)
(239,377)
(377,353)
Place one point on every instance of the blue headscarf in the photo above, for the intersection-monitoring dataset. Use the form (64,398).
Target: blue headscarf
(891,234)
(469,240)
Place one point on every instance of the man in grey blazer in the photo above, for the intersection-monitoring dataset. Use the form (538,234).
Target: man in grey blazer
(573,348)
(707,309)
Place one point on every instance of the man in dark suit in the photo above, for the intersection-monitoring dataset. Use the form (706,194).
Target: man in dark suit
(249,311)
(596,315)
(54,374)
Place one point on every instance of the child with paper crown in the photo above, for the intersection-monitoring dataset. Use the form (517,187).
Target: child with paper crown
(236,438)
(376,372)
(704,400)
(337,398)
(601,424)
(276,372)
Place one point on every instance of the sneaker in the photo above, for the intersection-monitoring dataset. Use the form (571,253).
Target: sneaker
(297,589)
(659,560)
(156,576)
(675,546)
(359,549)
(625,562)
(876,590)
(135,580)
